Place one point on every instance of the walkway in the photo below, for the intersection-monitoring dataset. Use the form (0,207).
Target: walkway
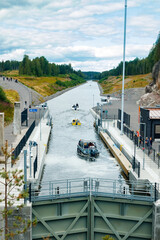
(149,170)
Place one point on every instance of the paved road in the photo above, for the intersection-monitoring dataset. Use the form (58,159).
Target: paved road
(25,94)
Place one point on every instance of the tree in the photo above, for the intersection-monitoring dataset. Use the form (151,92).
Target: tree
(12,194)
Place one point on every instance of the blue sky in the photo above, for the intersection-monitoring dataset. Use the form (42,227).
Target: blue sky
(86,33)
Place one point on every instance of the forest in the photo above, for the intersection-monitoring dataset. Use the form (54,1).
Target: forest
(38,67)
(137,66)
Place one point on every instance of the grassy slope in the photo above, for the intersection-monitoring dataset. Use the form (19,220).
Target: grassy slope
(7,107)
(44,85)
(114,84)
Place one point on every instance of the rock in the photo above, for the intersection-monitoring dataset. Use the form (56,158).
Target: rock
(148,89)
(156,74)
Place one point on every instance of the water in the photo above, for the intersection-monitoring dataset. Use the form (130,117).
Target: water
(62,161)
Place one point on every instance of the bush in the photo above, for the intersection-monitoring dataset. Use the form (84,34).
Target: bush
(3,96)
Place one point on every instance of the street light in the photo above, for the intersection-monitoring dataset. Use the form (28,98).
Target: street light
(124,46)
(31,144)
(144,137)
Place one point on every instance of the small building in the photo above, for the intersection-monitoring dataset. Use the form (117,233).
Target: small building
(150,119)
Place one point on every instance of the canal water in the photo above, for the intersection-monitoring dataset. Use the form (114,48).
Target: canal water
(62,161)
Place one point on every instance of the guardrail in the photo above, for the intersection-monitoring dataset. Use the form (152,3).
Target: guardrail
(23,141)
(93,186)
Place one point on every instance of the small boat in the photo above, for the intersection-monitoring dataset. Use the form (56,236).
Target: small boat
(87,149)
(76,122)
(104,100)
(75,106)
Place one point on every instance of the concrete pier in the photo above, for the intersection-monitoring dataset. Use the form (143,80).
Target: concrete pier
(122,160)
(1,130)
(17,119)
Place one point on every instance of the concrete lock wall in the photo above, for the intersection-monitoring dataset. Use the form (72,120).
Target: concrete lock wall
(26,214)
(1,130)
(17,119)
(156,221)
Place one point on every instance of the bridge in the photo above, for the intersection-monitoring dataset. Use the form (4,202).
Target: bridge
(91,208)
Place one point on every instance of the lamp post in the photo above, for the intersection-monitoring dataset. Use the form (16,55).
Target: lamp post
(144,137)
(134,155)
(124,47)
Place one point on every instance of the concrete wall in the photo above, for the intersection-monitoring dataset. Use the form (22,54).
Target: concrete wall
(26,214)
(17,119)
(156,221)
(1,130)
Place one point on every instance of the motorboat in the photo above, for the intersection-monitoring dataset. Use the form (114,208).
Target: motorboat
(104,100)
(87,149)
(76,122)
(75,106)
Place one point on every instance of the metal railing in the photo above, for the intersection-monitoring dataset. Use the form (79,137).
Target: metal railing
(35,165)
(150,151)
(135,163)
(93,186)
(24,117)
(23,141)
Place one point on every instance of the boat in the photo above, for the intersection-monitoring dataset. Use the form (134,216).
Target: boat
(87,149)
(104,100)
(76,122)
(75,106)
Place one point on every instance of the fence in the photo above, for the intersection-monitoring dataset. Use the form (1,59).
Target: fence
(35,165)
(24,117)
(130,133)
(23,141)
(93,186)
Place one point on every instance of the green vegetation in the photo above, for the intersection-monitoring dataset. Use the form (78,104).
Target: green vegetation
(41,67)
(6,107)
(11,193)
(9,65)
(91,75)
(107,237)
(114,84)
(137,66)
(3,96)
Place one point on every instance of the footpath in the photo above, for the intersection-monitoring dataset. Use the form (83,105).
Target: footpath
(31,156)
(148,169)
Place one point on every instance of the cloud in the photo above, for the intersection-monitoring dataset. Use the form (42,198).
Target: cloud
(11,3)
(19,53)
(77,30)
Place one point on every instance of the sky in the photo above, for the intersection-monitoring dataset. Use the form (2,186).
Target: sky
(89,34)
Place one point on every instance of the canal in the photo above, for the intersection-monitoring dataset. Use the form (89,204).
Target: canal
(62,161)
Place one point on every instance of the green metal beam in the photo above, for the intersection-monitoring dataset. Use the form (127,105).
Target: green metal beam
(107,221)
(138,224)
(75,220)
(45,224)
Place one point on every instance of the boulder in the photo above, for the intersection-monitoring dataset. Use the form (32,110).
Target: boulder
(156,74)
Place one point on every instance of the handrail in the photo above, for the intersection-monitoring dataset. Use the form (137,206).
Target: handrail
(93,186)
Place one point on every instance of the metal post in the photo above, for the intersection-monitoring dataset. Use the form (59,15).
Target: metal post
(124,45)
(30,160)
(134,157)
(25,172)
(144,144)
(155,192)
(101,114)
(40,123)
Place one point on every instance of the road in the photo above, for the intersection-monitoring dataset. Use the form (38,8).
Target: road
(25,93)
